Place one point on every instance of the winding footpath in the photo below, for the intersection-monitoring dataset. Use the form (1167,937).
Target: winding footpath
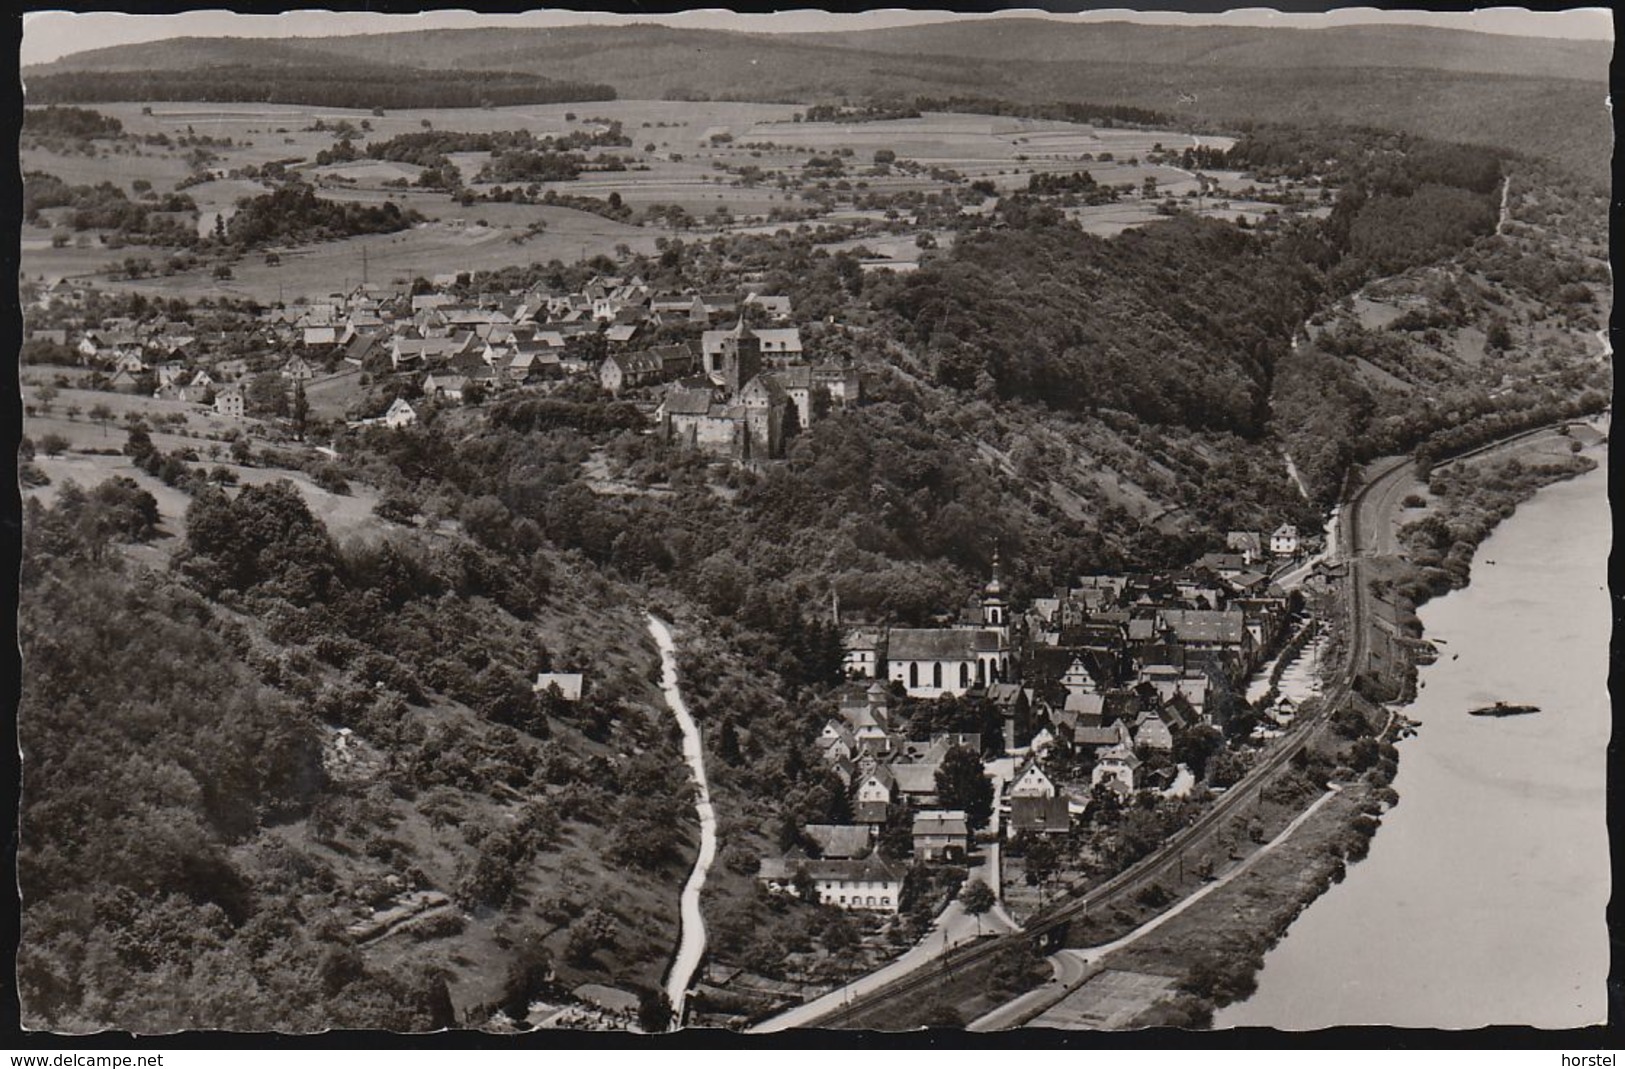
(691,945)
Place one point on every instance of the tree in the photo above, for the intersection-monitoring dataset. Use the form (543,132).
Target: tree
(100,413)
(728,741)
(963,784)
(139,443)
(52,444)
(654,1012)
(1041,861)
(1195,746)
(301,409)
(977,898)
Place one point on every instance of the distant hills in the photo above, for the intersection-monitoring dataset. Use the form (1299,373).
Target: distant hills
(1536,95)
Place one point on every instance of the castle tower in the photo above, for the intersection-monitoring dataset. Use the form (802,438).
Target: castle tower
(741,359)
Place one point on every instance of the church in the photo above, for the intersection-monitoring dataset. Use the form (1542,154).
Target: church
(932,661)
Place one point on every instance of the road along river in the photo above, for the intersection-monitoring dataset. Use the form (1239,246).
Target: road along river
(691,945)
(1482,900)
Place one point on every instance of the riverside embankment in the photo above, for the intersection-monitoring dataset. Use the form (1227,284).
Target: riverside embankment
(1482,899)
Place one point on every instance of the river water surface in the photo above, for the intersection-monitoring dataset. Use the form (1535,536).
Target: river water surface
(1482,899)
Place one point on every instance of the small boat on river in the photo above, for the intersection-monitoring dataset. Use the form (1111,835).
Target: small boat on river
(1503,709)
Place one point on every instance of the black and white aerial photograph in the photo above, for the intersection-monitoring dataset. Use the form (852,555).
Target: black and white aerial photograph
(1019,522)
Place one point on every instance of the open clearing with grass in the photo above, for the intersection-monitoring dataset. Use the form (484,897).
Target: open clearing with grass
(690,154)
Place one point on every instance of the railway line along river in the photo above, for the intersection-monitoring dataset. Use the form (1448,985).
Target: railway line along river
(1483,897)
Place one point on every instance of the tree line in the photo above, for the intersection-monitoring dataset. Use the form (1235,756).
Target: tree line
(337,86)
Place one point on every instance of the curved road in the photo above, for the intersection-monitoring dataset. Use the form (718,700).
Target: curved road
(691,944)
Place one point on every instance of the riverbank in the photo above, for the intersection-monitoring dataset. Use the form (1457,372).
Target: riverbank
(1210,957)
(1517,804)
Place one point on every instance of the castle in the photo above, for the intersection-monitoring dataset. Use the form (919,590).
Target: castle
(744,409)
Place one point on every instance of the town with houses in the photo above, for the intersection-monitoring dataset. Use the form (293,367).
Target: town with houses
(736,387)
(1091,686)
(1107,673)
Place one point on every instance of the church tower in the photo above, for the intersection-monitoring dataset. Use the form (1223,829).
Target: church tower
(995,610)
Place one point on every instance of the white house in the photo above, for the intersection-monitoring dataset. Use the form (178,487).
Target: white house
(400,414)
(1284,540)
(1032,783)
(870,884)
(1117,766)
(864,651)
(569,684)
(229,402)
(875,795)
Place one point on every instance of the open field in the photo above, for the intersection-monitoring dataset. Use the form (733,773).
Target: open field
(674,157)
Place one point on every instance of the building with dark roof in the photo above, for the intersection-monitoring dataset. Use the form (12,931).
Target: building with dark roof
(872,883)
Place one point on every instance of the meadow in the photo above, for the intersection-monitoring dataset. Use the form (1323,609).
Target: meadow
(687,154)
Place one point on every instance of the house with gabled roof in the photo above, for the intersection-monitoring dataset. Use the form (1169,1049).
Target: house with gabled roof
(840,841)
(1117,766)
(872,883)
(875,794)
(445,386)
(228,401)
(400,414)
(863,651)
(364,345)
(941,835)
(1039,815)
(297,369)
(1031,782)
(774,306)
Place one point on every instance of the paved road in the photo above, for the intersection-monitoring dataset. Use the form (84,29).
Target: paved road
(953,927)
(1073,967)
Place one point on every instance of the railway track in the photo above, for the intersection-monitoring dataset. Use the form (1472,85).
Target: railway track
(1050,926)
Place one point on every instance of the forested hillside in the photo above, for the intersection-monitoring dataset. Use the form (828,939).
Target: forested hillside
(347,86)
(1540,96)
(230,767)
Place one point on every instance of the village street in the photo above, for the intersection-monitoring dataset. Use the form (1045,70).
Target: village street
(952,928)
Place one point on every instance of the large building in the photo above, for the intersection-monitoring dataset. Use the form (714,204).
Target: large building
(870,883)
(932,661)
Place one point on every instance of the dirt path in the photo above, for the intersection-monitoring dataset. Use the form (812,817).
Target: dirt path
(691,944)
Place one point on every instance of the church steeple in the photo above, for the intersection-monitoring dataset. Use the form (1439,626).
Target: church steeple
(994,610)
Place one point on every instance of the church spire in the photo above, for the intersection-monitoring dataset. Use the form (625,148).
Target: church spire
(993,606)
(995,585)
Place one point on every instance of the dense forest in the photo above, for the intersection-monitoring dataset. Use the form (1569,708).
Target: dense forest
(1175,324)
(347,85)
(51,124)
(296,215)
(226,844)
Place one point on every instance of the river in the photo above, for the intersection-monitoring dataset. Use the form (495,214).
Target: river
(691,943)
(1483,896)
